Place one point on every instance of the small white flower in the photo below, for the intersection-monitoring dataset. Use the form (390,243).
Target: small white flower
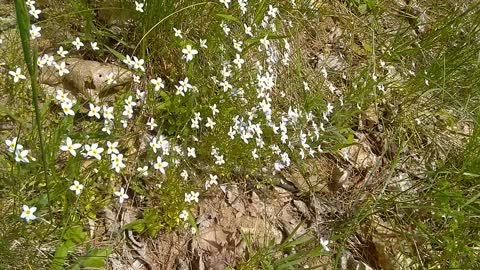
(94,46)
(94,151)
(158,83)
(62,52)
(35,32)
(77,43)
(136,79)
(128,61)
(27,213)
(112,148)
(77,187)
(160,165)
(191,152)
(214,109)
(210,123)
(17,75)
(121,195)
(129,102)
(128,112)
(94,111)
(138,63)
(70,147)
(203,43)
(139,6)
(178,32)
(184,175)
(34,12)
(324,244)
(189,52)
(21,155)
(238,61)
(62,69)
(183,215)
(117,162)
(67,107)
(248,30)
(13,145)
(225,2)
(108,113)
(143,170)
(151,123)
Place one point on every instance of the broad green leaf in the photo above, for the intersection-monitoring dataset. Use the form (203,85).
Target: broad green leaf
(96,258)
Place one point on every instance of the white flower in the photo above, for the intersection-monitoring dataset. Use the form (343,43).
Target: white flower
(21,156)
(17,75)
(117,162)
(160,165)
(248,30)
(94,46)
(184,215)
(265,42)
(324,244)
(112,148)
(67,107)
(62,69)
(62,52)
(151,123)
(30,3)
(136,79)
(210,123)
(138,63)
(203,43)
(34,12)
(143,170)
(191,152)
(189,52)
(128,112)
(184,175)
(214,109)
(238,61)
(108,113)
(13,145)
(158,83)
(27,213)
(212,181)
(121,195)
(35,32)
(178,32)
(94,111)
(128,61)
(225,2)
(129,102)
(77,187)
(77,43)
(237,45)
(139,6)
(111,79)
(70,147)
(94,151)
(272,11)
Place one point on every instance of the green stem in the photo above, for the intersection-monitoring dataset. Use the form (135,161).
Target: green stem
(23,23)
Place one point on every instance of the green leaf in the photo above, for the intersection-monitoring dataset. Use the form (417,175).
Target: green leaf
(95,258)
(261,8)
(75,234)
(61,255)
(229,18)
(116,53)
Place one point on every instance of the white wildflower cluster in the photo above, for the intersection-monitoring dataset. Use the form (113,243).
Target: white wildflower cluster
(20,154)
(65,102)
(264,126)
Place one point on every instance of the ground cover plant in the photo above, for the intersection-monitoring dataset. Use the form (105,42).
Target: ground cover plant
(239,134)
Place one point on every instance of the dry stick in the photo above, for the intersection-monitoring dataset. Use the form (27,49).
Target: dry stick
(23,23)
